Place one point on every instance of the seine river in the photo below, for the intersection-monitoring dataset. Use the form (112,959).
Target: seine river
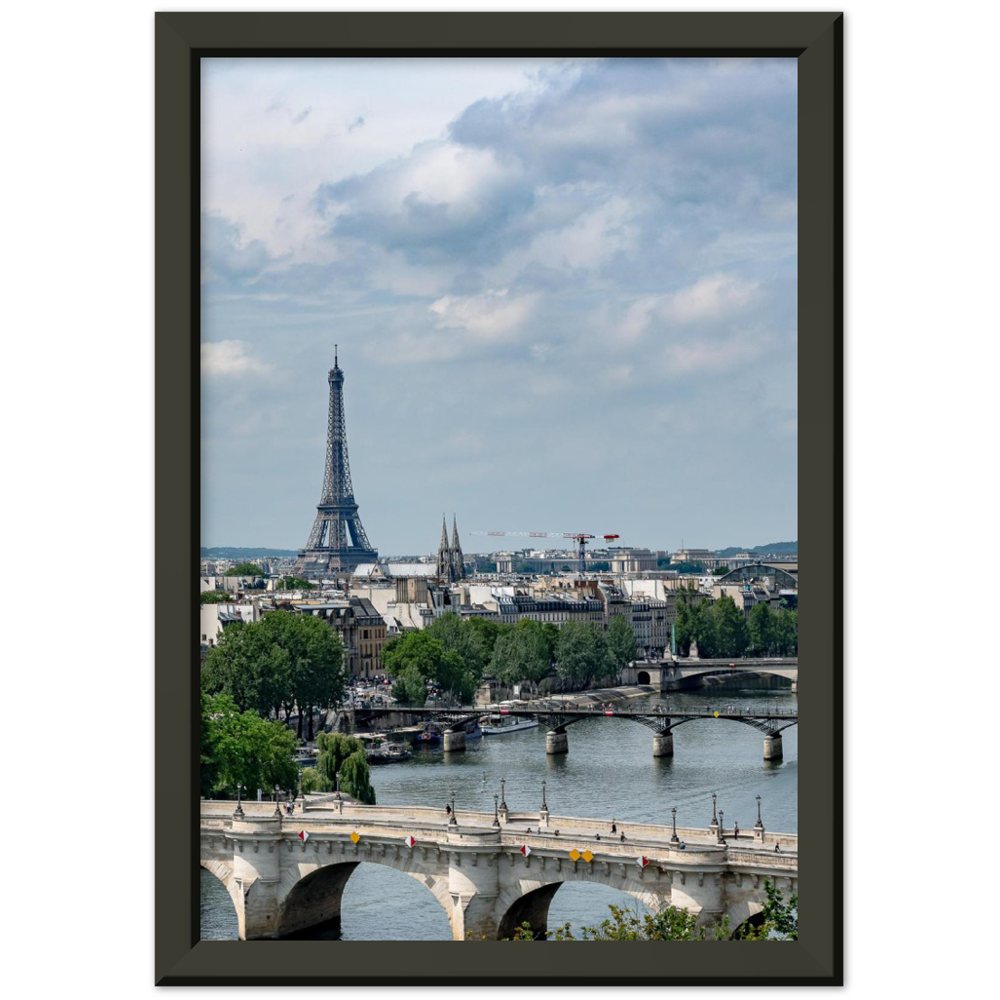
(609,772)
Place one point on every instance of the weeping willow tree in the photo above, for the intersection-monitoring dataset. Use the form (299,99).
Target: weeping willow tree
(344,756)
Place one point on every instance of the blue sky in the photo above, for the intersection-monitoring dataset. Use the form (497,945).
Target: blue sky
(564,293)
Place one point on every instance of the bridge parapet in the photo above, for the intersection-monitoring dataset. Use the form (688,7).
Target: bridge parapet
(385,819)
(285,873)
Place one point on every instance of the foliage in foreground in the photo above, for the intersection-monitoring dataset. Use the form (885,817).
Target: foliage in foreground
(778,921)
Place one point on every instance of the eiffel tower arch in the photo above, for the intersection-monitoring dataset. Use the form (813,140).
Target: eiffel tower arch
(337,541)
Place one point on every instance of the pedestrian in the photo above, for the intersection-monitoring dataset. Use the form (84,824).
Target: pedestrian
(528,830)
(777,849)
(614,829)
(555,833)
(623,836)
(447,810)
(736,831)
(598,837)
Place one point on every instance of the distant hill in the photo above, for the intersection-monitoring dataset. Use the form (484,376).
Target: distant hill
(224,552)
(772,548)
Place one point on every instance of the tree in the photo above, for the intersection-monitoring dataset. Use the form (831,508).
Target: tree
(341,755)
(245,569)
(409,687)
(703,628)
(249,667)
(761,629)
(355,778)
(582,653)
(522,653)
(215,596)
(778,921)
(460,637)
(671,924)
(244,750)
(415,658)
(730,628)
(209,771)
(720,571)
(295,583)
(786,632)
(283,661)
(621,643)
(488,632)
(683,623)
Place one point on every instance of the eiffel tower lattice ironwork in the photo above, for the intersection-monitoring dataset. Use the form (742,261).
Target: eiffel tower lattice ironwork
(337,540)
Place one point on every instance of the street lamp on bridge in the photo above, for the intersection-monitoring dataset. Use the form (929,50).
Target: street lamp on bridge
(674,839)
(453,821)
(496,814)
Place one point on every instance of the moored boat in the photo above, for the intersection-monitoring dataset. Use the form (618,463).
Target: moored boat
(388,753)
(497,725)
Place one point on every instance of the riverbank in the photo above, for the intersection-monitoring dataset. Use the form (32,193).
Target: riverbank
(599,696)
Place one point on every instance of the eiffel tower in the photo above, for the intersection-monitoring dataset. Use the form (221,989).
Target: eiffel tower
(337,541)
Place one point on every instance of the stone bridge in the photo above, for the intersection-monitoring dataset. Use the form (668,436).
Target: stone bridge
(671,674)
(288,873)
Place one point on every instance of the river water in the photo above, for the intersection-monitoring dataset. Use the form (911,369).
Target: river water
(609,772)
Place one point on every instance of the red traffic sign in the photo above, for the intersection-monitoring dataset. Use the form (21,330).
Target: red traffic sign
(642,860)
(408,840)
(525,850)
(303,835)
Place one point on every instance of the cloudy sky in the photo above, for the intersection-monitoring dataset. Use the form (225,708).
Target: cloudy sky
(564,293)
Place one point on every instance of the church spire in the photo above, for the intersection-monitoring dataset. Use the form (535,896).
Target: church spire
(444,553)
(457,560)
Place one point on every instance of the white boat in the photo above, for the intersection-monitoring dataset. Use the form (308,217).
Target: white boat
(497,725)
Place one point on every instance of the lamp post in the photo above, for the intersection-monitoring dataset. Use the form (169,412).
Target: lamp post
(674,839)
(722,828)
(503,793)
(453,821)
(713,809)
(238,813)
(758,823)
(545,804)
(496,814)
(277,808)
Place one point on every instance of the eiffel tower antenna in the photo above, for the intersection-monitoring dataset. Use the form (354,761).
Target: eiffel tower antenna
(337,540)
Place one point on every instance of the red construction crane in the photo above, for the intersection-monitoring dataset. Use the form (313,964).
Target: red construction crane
(580,537)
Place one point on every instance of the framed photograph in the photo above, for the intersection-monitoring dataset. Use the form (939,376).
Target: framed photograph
(571,284)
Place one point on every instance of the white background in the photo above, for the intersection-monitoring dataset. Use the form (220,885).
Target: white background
(77,406)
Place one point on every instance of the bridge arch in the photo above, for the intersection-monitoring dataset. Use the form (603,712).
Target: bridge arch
(313,894)
(224,873)
(528,900)
(642,677)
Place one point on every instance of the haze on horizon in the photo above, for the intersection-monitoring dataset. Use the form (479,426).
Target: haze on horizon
(564,294)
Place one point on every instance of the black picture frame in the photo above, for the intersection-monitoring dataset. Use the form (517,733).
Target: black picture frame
(816,40)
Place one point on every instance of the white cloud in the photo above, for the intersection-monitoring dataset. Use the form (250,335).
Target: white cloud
(706,356)
(712,298)
(492,315)
(223,358)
